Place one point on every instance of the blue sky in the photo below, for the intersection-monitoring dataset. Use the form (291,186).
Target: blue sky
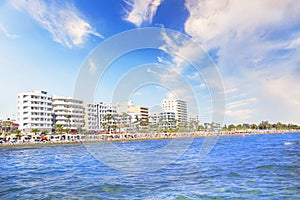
(254,44)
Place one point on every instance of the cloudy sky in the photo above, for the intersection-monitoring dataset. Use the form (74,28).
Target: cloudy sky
(255,46)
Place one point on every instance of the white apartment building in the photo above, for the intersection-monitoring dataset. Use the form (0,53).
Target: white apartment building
(168,120)
(103,110)
(68,111)
(90,117)
(163,120)
(179,107)
(34,111)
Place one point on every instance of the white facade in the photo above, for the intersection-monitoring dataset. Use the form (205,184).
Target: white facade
(163,120)
(34,111)
(179,107)
(103,110)
(168,119)
(90,117)
(64,107)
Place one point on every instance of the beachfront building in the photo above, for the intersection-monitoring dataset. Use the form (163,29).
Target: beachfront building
(90,117)
(162,121)
(8,126)
(132,116)
(179,107)
(69,112)
(194,121)
(168,120)
(139,116)
(106,116)
(34,111)
(141,111)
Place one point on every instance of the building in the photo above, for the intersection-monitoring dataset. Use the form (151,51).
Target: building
(141,112)
(34,111)
(68,112)
(168,120)
(179,107)
(8,126)
(90,117)
(137,116)
(105,116)
(162,120)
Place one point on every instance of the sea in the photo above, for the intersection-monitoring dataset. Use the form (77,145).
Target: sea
(236,167)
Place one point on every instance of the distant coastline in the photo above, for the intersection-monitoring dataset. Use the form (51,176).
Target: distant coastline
(127,137)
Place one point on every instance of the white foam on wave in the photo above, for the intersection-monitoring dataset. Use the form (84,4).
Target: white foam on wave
(290,143)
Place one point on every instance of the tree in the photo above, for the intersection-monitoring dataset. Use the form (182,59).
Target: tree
(104,125)
(239,127)
(68,116)
(253,126)
(18,133)
(231,127)
(107,118)
(264,125)
(35,131)
(59,128)
(66,130)
(201,128)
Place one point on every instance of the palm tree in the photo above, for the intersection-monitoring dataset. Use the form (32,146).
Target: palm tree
(35,131)
(104,125)
(59,128)
(79,130)
(18,133)
(138,123)
(107,118)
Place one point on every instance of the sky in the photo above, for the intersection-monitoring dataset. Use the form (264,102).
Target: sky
(253,45)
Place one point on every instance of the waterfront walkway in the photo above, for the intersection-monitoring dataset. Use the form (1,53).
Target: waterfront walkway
(57,139)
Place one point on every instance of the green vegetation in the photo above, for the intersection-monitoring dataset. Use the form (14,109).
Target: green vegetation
(264,125)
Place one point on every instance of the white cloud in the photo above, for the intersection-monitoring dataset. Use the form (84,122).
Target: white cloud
(257,46)
(294,43)
(7,33)
(231,90)
(224,20)
(182,49)
(241,115)
(63,21)
(240,103)
(93,67)
(141,11)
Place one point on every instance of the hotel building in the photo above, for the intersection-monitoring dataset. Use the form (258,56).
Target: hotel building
(179,107)
(163,120)
(34,111)
(90,117)
(102,111)
(141,112)
(68,111)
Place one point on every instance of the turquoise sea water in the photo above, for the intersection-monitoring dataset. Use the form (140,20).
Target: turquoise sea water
(251,167)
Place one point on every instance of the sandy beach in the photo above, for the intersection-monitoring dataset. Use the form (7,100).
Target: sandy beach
(127,137)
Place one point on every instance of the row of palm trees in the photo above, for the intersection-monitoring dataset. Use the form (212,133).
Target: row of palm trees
(115,122)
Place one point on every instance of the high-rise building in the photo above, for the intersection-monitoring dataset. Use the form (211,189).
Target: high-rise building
(68,111)
(34,111)
(90,117)
(105,115)
(179,107)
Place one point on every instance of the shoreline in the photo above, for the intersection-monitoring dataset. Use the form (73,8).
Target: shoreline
(143,137)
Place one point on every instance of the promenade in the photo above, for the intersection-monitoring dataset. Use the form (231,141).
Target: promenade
(65,139)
